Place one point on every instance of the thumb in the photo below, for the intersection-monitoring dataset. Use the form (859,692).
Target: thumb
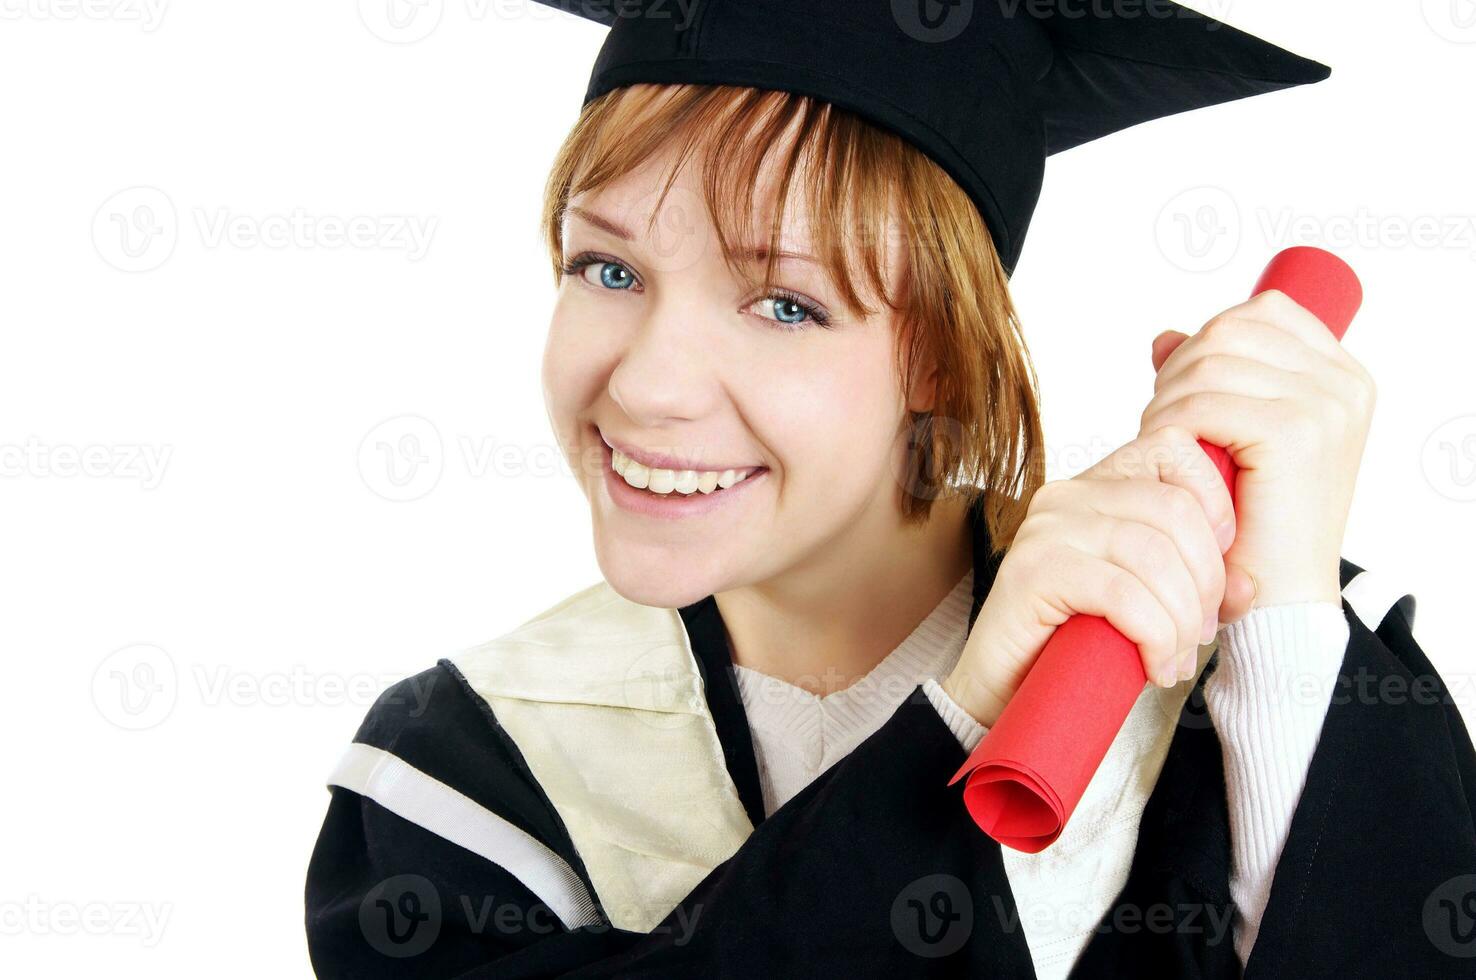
(1240,593)
(1164,345)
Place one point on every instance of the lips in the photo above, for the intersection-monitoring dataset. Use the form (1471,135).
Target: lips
(676,502)
(655,460)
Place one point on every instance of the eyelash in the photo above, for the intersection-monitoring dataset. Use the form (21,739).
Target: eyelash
(816,314)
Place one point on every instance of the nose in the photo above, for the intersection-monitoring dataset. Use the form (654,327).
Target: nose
(665,371)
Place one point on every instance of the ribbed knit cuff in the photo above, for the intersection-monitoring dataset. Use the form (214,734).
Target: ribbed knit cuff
(964,726)
(1268,698)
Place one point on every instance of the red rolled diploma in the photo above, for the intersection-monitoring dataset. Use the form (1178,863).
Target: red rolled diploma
(1029,771)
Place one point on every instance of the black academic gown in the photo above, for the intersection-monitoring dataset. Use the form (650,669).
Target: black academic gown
(876,870)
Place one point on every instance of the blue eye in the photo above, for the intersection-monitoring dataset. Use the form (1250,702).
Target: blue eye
(788,311)
(791,310)
(613,275)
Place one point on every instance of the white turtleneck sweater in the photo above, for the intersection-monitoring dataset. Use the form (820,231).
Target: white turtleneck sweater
(1267,699)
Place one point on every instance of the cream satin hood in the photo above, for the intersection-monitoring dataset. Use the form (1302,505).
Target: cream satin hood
(604,698)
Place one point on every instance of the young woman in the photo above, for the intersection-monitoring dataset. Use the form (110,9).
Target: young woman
(814,465)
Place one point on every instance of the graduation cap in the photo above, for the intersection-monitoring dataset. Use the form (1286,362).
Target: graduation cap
(987,88)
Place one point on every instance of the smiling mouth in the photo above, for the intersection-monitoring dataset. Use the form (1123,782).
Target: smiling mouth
(662,482)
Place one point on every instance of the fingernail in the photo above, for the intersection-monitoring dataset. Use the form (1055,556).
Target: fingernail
(1208,630)
(1188,665)
(1225,535)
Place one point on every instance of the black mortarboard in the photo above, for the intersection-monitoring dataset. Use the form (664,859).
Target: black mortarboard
(987,88)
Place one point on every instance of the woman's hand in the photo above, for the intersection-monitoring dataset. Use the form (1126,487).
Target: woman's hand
(1136,539)
(1270,383)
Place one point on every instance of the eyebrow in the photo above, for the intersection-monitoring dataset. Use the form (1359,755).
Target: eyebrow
(753,253)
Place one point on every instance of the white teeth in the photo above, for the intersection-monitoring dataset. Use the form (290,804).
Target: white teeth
(685,482)
(636,474)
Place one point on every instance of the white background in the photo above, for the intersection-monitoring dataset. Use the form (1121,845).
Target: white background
(206,571)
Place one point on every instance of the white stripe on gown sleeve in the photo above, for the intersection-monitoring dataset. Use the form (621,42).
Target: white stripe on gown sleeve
(431,804)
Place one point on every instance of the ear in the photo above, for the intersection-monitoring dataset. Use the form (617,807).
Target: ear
(924,393)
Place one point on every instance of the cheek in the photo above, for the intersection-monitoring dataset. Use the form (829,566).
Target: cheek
(572,368)
(832,420)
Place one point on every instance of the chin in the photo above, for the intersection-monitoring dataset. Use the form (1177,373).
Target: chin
(656,577)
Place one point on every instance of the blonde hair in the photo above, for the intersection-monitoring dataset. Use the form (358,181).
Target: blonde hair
(982,436)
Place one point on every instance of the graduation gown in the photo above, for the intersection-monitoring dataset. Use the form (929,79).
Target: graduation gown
(580,798)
